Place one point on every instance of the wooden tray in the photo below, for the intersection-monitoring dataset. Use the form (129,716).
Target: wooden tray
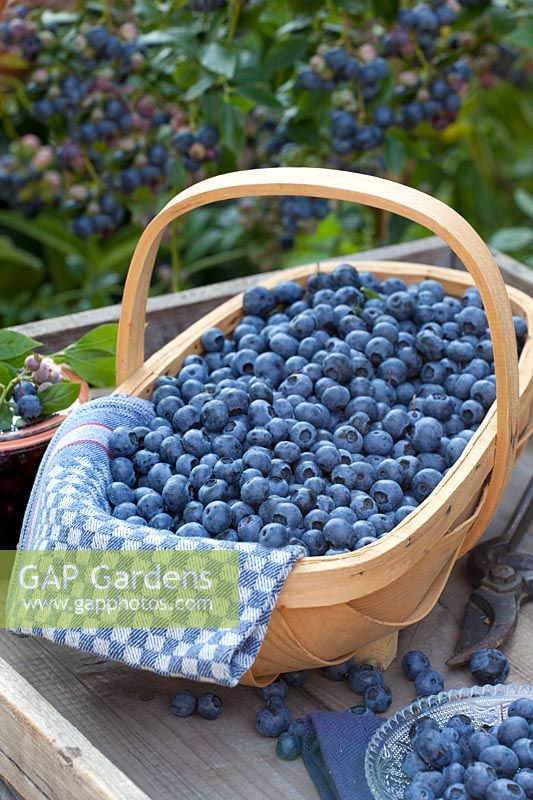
(73,726)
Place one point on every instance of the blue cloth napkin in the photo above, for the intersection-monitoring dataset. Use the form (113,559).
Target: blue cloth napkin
(68,509)
(335,756)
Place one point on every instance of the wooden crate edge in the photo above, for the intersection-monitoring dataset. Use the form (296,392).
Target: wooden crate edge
(38,740)
(165,310)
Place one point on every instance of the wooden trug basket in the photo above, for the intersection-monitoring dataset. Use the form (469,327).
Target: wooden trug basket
(337,606)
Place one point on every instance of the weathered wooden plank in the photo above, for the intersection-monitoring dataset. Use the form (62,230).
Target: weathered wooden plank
(44,757)
(125,713)
(514,273)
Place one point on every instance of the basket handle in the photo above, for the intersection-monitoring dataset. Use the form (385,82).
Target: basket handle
(370,191)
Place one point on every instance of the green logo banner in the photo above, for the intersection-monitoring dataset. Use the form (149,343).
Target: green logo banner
(119,589)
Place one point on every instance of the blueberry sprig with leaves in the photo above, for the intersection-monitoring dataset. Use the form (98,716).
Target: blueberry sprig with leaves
(33,386)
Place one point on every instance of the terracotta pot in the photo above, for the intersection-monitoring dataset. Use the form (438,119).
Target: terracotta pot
(20,455)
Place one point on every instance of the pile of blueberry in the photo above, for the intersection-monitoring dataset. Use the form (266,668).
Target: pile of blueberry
(22,32)
(364,679)
(487,665)
(114,136)
(332,412)
(462,762)
(454,750)
(275,720)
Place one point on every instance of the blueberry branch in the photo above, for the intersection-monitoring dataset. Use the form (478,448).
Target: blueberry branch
(234,13)
(10,386)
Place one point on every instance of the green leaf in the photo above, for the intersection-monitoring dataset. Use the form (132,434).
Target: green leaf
(219,59)
(185,73)
(208,242)
(249,75)
(102,338)
(58,18)
(370,294)
(522,35)
(59,397)
(19,269)
(118,256)
(260,95)
(6,416)
(302,132)
(232,124)
(310,104)
(197,89)
(285,53)
(44,230)
(93,356)
(502,20)
(299,23)
(388,9)
(156,38)
(16,257)
(182,40)
(395,155)
(510,239)
(94,367)
(7,373)
(10,61)
(13,345)
(524,201)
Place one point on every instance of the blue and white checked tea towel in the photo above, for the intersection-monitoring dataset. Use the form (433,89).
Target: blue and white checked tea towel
(68,509)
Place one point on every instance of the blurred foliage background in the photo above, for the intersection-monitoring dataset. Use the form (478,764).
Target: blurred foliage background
(108,109)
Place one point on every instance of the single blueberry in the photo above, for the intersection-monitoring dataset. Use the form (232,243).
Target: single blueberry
(362,676)
(489,665)
(429,682)
(414,662)
(378,698)
(289,746)
(209,706)
(183,704)
(478,777)
(505,789)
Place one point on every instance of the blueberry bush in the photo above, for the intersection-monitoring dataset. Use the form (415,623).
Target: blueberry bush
(108,111)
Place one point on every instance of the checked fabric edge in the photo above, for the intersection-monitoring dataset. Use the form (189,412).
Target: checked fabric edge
(68,509)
